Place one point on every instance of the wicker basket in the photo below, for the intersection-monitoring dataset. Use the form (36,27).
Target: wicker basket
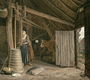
(16,61)
(3,13)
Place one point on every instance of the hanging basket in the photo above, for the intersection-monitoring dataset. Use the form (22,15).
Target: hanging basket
(3,13)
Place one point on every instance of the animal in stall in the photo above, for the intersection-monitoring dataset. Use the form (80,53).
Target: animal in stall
(50,45)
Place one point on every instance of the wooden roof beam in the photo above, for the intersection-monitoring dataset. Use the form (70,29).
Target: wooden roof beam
(78,2)
(67,6)
(29,22)
(38,36)
(46,16)
(49,17)
(75,3)
(60,11)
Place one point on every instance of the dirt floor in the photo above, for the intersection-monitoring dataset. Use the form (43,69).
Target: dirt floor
(50,72)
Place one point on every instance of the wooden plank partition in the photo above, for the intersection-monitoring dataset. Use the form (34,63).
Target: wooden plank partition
(65,56)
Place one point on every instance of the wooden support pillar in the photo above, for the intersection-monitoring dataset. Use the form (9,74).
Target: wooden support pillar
(87,38)
(20,31)
(9,26)
(20,21)
(30,29)
(15,31)
(76,42)
(48,30)
(24,12)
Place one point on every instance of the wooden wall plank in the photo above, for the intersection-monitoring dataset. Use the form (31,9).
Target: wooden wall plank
(65,55)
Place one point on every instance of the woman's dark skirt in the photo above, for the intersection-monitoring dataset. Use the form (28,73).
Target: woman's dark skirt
(24,51)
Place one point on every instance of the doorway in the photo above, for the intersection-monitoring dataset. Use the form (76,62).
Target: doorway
(80,39)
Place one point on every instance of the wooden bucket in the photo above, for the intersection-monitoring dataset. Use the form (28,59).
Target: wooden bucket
(16,61)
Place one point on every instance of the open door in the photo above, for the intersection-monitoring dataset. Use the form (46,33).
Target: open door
(65,50)
(80,45)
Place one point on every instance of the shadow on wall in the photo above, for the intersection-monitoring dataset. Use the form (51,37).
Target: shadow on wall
(2,22)
(3,44)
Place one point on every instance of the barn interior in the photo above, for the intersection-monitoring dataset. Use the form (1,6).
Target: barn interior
(58,31)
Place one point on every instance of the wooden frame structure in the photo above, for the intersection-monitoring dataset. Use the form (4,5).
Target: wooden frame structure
(22,19)
(17,9)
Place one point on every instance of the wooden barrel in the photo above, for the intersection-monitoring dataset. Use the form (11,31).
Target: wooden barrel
(16,61)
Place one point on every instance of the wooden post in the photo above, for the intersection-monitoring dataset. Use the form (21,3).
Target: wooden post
(87,37)
(20,31)
(9,26)
(24,12)
(20,24)
(30,29)
(15,31)
(75,41)
(48,30)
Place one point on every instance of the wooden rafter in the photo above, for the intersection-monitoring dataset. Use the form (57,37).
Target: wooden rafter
(46,16)
(38,36)
(70,4)
(60,9)
(49,10)
(67,6)
(29,22)
(75,3)
(63,9)
(79,2)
